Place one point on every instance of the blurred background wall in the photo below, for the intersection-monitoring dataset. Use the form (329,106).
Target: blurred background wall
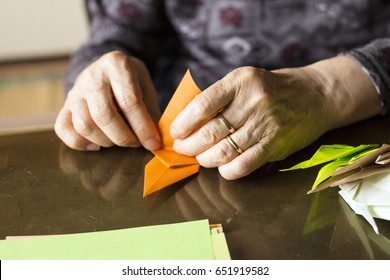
(40,28)
(37,38)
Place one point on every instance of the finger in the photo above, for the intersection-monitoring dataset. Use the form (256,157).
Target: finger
(213,131)
(224,152)
(105,114)
(149,92)
(219,154)
(86,127)
(202,108)
(128,95)
(66,132)
(246,163)
(202,139)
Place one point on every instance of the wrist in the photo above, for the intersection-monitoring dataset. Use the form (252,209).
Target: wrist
(316,90)
(348,93)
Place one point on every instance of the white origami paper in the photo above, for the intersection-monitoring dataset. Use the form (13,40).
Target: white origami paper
(369,197)
(362,173)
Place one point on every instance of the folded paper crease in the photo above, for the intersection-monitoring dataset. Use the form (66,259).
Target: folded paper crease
(168,167)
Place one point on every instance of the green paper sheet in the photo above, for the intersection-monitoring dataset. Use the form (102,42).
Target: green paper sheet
(180,241)
(221,251)
(327,170)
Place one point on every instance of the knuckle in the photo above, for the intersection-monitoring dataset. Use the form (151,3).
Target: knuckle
(84,127)
(217,156)
(224,154)
(209,134)
(115,62)
(203,105)
(250,71)
(90,81)
(103,113)
(130,103)
(113,56)
(245,73)
(220,87)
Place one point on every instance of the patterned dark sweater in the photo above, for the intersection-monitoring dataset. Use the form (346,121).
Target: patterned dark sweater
(212,37)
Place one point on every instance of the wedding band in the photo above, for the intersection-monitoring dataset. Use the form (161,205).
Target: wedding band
(234,145)
(226,123)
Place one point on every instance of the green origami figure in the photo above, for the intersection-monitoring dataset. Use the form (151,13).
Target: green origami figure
(346,163)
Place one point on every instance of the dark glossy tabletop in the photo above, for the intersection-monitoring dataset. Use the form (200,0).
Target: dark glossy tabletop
(46,188)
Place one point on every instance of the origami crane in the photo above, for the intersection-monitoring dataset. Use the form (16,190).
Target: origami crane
(168,167)
(362,173)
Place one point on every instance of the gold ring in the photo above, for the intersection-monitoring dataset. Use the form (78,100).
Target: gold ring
(226,123)
(234,145)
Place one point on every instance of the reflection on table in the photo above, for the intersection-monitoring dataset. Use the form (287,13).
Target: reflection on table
(47,188)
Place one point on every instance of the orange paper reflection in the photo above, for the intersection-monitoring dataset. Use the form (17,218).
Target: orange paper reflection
(168,167)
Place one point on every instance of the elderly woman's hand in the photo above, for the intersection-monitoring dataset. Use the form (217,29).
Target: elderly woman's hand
(266,116)
(113,102)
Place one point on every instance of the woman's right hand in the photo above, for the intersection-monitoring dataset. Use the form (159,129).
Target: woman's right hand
(113,102)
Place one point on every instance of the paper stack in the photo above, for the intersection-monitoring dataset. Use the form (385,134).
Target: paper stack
(195,240)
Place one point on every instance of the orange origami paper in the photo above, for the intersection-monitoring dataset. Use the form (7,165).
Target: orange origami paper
(168,167)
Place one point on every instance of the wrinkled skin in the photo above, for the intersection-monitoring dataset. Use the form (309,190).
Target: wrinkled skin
(112,103)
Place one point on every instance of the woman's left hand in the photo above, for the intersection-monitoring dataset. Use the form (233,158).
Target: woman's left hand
(273,114)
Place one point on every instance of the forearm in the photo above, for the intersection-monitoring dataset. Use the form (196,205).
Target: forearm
(375,59)
(344,91)
(349,94)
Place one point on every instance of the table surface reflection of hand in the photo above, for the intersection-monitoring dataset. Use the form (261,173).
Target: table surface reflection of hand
(109,173)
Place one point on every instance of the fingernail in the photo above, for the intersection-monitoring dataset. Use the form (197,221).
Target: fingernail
(152,144)
(93,147)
